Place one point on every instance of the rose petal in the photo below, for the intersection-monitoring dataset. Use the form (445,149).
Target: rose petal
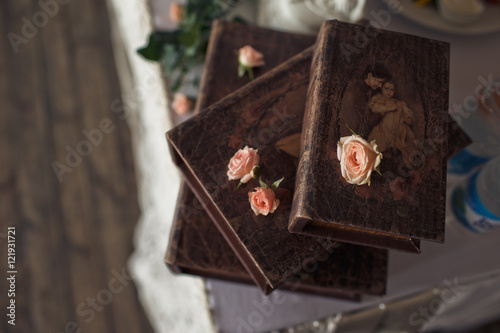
(358,159)
(242,163)
(246,178)
(263,201)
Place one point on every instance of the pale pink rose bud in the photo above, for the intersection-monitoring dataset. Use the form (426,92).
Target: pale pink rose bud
(358,159)
(242,164)
(250,57)
(263,201)
(181,104)
(176,12)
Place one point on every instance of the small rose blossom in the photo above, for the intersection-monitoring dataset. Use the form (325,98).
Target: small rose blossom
(242,164)
(176,12)
(263,201)
(250,57)
(358,159)
(181,104)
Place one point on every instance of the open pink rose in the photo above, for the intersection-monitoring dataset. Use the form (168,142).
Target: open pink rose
(176,12)
(358,159)
(263,201)
(250,57)
(181,104)
(242,164)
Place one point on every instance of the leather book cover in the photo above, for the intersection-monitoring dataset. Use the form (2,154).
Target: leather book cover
(265,114)
(218,79)
(388,87)
(197,247)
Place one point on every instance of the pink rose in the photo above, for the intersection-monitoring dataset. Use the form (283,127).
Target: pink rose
(181,103)
(263,201)
(242,164)
(358,159)
(176,12)
(250,57)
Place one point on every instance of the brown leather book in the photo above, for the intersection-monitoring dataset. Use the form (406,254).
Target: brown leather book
(388,87)
(221,63)
(197,247)
(265,114)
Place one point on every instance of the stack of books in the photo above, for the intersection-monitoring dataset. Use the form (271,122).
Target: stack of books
(327,236)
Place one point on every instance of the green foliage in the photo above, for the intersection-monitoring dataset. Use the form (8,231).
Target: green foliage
(256,171)
(276,184)
(181,49)
(261,183)
(239,184)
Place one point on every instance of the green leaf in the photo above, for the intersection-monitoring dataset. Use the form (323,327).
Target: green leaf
(153,50)
(237,187)
(176,84)
(188,38)
(250,73)
(156,44)
(168,37)
(191,51)
(351,130)
(262,184)
(256,172)
(180,49)
(276,184)
(241,70)
(171,58)
(191,19)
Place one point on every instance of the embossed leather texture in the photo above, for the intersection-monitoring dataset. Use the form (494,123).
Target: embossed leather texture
(406,203)
(197,247)
(261,115)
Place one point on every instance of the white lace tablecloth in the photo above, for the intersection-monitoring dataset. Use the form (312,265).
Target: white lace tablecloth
(173,303)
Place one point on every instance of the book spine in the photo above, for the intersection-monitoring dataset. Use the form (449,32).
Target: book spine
(217,31)
(303,201)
